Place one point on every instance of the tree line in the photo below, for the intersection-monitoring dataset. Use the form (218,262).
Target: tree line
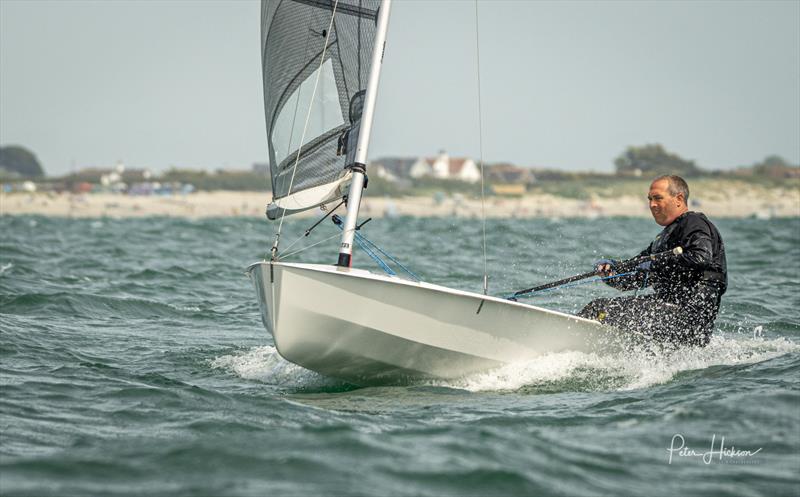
(648,160)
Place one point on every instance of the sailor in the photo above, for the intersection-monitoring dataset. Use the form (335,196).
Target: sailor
(687,287)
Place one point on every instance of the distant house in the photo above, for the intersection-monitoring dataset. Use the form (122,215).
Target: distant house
(510,174)
(442,166)
(115,179)
(464,170)
(393,168)
(120,177)
(421,168)
(118,173)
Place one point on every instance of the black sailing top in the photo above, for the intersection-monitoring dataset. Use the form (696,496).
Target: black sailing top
(675,279)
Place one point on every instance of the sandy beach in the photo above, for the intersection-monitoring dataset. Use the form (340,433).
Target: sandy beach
(746,202)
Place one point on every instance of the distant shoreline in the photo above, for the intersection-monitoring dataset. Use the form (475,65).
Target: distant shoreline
(748,202)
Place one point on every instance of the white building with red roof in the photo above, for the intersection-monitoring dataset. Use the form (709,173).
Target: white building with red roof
(445,167)
(442,166)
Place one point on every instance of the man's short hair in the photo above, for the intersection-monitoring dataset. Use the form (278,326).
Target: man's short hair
(676,185)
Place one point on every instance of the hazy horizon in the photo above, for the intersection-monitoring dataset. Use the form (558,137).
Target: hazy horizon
(565,85)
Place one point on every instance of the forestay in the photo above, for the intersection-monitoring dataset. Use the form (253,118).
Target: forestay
(314,85)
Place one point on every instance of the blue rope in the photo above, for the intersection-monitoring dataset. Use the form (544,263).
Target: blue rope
(389,256)
(374,256)
(367,246)
(570,285)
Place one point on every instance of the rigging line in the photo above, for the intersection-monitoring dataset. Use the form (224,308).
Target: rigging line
(305,126)
(367,246)
(389,256)
(360,241)
(308,231)
(290,254)
(480,148)
(358,47)
(292,244)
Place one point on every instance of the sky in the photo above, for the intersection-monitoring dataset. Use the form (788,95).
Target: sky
(564,85)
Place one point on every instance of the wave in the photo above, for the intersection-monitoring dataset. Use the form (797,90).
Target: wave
(90,306)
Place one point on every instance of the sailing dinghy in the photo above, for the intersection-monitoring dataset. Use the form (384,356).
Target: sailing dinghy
(321,65)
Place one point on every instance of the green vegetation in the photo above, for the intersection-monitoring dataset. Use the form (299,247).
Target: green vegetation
(771,166)
(635,168)
(421,186)
(220,180)
(653,160)
(17,160)
(585,187)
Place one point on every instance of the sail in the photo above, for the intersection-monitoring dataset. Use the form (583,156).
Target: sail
(314,85)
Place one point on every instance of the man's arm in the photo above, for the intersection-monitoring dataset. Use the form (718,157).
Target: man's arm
(633,281)
(698,247)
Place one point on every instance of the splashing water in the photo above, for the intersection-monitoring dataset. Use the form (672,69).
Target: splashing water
(265,365)
(639,366)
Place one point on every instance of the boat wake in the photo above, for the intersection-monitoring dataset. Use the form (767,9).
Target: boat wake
(635,368)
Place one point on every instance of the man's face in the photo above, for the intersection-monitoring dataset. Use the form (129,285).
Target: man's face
(664,206)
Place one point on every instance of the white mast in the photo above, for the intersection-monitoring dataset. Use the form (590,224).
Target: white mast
(360,164)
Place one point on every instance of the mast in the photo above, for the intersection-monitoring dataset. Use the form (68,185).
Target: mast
(360,163)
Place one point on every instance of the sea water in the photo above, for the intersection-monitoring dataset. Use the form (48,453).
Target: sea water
(133,361)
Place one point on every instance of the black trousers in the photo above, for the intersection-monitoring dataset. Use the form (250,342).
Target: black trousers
(690,323)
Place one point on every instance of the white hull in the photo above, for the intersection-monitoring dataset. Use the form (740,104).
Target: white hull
(369,328)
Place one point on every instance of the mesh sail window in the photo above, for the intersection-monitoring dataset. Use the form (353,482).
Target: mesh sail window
(293,38)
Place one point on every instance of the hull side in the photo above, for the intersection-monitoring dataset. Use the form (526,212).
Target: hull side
(358,326)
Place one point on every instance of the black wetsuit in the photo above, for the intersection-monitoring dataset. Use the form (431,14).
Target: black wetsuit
(687,288)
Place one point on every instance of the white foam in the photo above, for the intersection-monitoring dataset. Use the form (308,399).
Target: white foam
(188,308)
(264,364)
(632,369)
(6,267)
